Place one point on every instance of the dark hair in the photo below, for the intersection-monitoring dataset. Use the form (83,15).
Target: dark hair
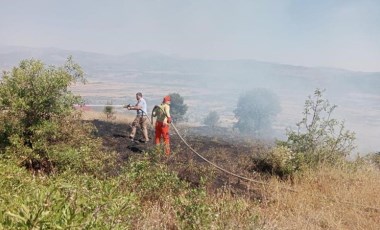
(139,94)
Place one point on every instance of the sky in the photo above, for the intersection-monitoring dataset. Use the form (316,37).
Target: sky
(324,33)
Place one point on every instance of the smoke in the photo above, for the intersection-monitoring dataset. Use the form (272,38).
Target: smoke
(214,44)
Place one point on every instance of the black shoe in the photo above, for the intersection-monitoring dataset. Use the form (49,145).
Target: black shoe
(143,141)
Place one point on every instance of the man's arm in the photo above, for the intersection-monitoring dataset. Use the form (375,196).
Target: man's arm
(154,113)
(167,113)
(136,107)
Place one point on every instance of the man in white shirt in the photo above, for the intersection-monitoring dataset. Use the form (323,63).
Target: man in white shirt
(141,117)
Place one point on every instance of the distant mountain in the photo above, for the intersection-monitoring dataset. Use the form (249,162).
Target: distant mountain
(217,84)
(154,66)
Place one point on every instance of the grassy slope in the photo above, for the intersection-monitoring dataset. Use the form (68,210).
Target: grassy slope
(151,193)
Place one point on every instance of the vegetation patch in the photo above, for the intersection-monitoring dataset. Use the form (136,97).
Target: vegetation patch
(84,176)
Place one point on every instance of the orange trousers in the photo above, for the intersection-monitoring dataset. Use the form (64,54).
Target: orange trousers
(162,130)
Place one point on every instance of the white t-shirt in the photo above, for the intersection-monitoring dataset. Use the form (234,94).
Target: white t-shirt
(142,104)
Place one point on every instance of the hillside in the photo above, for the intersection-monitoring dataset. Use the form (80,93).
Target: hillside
(148,191)
(312,200)
(63,167)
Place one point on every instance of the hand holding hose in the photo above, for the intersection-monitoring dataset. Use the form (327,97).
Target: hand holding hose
(127,106)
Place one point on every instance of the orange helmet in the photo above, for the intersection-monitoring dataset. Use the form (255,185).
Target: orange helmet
(166,99)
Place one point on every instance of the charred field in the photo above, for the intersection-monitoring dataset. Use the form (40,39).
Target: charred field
(311,200)
(232,154)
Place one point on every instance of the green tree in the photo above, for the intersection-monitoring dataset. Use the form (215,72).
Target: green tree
(212,119)
(255,111)
(320,137)
(177,107)
(37,108)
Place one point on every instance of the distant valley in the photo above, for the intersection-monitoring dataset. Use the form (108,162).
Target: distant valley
(216,85)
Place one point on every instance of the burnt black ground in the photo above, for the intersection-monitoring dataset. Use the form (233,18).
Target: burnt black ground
(218,146)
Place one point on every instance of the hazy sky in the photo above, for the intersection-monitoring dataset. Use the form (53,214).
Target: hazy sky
(334,33)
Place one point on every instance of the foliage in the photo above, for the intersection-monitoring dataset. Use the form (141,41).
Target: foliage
(280,161)
(147,195)
(256,110)
(63,201)
(71,200)
(177,107)
(320,137)
(151,179)
(91,192)
(193,212)
(212,119)
(109,111)
(33,97)
(38,124)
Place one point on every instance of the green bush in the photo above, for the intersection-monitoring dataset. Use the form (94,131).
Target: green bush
(280,161)
(319,137)
(193,210)
(151,179)
(38,125)
(63,201)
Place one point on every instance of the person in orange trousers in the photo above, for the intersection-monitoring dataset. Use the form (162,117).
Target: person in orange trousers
(163,119)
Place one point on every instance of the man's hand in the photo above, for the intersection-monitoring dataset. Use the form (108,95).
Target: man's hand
(127,106)
(169,120)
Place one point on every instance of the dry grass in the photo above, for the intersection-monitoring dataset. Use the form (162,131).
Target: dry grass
(344,197)
(326,199)
(157,216)
(118,118)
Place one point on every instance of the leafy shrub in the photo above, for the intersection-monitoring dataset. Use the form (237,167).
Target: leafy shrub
(71,200)
(321,138)
(193,211)
(151,179)
(280,161)
(38,124)
(63,201)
